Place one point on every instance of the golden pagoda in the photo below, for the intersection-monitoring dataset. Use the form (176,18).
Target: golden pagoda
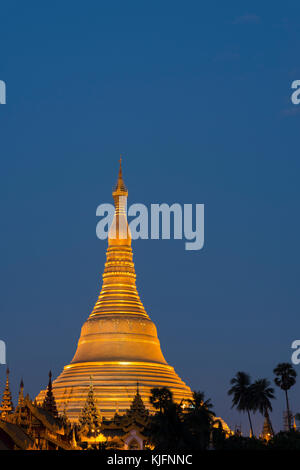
(118,345)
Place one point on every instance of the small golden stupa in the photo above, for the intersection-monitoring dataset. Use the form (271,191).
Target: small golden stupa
(118,345)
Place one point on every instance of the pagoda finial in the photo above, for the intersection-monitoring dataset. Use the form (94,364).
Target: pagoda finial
(120,188)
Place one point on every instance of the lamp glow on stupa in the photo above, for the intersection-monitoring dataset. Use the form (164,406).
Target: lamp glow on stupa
(118,345)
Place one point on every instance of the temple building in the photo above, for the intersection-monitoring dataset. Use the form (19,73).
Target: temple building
(118,345)
(30,426)
(33,427)
(128,431)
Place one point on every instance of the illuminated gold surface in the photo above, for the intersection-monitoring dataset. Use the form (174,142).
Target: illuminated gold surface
(118,345)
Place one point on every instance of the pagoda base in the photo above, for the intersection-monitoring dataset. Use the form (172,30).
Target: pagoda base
(114,385)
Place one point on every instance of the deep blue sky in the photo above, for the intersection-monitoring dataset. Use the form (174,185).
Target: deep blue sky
(197,96)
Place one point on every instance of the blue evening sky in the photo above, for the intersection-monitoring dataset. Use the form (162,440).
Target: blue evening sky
(197,97)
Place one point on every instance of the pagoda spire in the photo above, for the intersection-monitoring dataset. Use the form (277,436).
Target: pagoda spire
(90,420)
(21,395)
(267,432)
(20,414)
(120,188)
(119,293)
(49,403)
(119,233)
(7,406)
(137,407)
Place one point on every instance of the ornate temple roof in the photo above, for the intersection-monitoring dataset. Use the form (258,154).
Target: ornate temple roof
(17,437)
(6,406)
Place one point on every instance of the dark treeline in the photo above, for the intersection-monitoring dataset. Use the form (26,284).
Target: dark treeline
(192,425)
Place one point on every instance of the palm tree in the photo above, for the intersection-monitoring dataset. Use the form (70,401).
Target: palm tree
(242,394)
(285,379)
(199,418)
(166,427)
(262,394)
(161,398)
(199,402)
(167,431)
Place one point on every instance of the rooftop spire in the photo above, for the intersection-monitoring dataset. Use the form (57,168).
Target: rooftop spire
(7,406)
(137,407)
(90,418)
(20,414)
(21,394)
(49,401)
